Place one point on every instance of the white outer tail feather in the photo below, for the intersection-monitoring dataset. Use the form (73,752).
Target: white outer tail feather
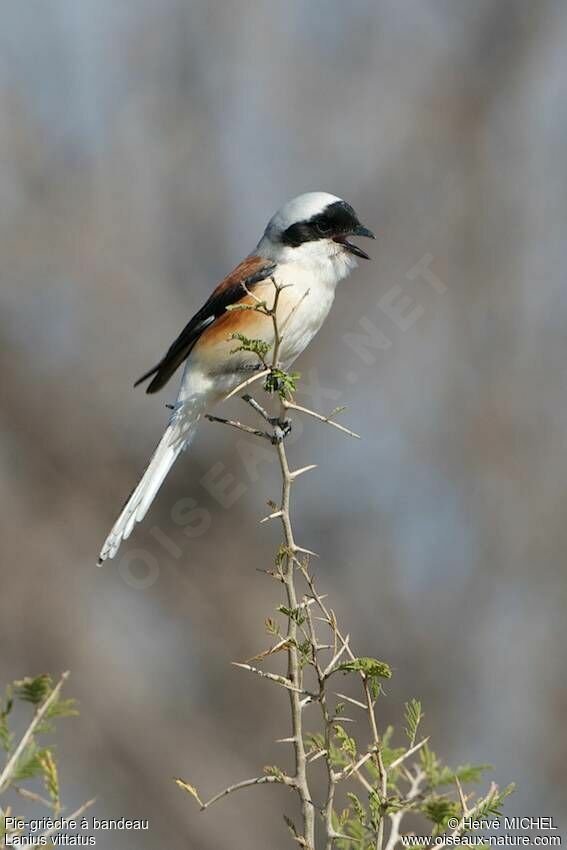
(177,437)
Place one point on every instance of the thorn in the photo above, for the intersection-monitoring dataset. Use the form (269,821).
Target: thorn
(307,602)
(291,740)
(330,668)
(273,677)
(462,797)
(353,701)
(272,573)
(318,755)
(408,753)
(305,551)
(298,472)
(290,405)
(275,515)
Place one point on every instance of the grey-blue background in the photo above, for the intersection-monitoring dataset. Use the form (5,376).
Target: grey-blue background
(143,146)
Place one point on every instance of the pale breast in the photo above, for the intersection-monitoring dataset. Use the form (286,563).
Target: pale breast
(302,307)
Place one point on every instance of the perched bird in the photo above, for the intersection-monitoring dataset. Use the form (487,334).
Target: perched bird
(304,249)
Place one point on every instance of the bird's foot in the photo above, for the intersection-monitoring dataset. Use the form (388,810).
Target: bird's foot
(282,428)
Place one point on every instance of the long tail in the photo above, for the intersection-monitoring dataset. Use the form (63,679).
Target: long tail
(177,436)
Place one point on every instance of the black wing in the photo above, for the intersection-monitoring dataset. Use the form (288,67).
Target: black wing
(250,271)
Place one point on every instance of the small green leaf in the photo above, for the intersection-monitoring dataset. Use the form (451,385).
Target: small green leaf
(371,667)
(282,383)
(438,810)
(493,805)
(357,806)
(430,765)
(375,807)
(464,773)
(316,743)
(29,764)
(281,555)
(259,307)
(390,754)
(295,614)
(304,649)
(34,690)
(62,708)
(271,626)
(275,771)
(256,346)
(50,777)
(413,716)
(347,744)
(6,737)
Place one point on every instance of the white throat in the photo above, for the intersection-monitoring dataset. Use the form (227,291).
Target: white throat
(326,260)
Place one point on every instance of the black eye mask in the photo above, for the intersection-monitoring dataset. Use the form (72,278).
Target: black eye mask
(337,221)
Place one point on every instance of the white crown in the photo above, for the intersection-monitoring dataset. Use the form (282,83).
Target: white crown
(299,209)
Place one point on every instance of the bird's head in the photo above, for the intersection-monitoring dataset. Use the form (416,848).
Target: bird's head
(314,228)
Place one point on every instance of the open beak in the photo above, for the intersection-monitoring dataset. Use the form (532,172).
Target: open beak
(359,230)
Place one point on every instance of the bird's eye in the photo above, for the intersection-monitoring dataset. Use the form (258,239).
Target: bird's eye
(322,228)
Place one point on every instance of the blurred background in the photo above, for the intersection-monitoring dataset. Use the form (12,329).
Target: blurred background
(143,147)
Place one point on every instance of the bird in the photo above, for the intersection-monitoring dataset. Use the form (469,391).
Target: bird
(304,251)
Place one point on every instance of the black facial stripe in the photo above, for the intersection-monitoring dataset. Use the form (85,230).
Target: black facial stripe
(336,219)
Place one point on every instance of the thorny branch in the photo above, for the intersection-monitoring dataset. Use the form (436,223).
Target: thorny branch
(393,789)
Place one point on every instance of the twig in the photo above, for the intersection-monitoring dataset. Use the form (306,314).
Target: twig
(247,783)
(291,405)
(396,817)
(408,754)
(330,666)
(258,408)
(462,797)
(31,795)
(294,309)
(350,699)
(273,677)
(294,670)
(247,383)
(273,313)
(351,768)
(40,713)
(239,425)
